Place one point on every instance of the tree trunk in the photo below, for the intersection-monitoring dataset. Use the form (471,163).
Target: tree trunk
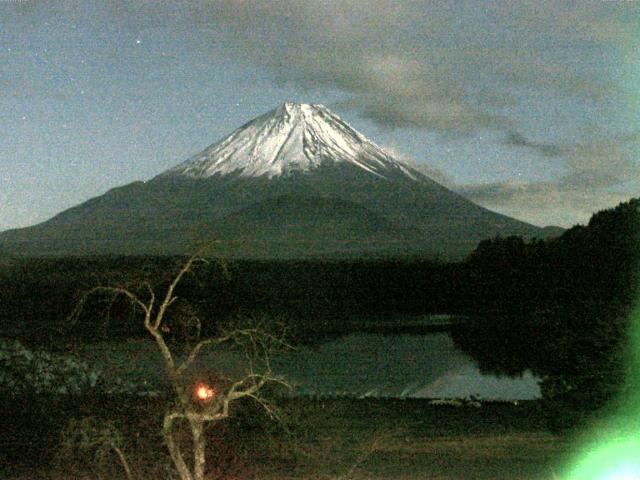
(199,460)
(174,449)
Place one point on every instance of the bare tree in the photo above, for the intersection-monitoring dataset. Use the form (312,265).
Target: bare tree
(199,404)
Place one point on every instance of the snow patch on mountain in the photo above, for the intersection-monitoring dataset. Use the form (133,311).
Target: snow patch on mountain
(292,137)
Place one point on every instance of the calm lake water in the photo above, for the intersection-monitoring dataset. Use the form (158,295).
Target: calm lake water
(423,366)
(358,365)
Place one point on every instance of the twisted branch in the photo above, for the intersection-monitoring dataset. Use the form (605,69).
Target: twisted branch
(254,342)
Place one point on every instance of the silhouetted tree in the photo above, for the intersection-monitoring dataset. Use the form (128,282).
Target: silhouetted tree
(200,399)
(560,308)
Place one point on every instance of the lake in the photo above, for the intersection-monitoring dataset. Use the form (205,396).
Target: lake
(356,365)
(400,366)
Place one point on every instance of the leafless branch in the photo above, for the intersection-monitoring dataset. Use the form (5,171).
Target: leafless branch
(195,351)
(169,297)
(256,344)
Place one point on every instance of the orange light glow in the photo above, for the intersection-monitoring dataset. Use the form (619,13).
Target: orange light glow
(204,392)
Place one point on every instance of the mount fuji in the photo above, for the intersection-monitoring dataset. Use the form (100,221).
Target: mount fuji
(295,182)
(291,138)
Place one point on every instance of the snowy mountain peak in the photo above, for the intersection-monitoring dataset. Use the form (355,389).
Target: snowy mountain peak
(292,137)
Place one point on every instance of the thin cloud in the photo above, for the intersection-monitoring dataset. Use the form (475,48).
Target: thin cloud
(603,162)
(542,203)
(407,64)
(434,173)
(596,169)
(451,66)
(515,139)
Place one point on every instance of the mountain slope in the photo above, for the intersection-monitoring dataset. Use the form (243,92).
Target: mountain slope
(297,181)
(293,137)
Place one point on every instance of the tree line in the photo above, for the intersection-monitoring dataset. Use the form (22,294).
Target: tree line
(312,296)
(561,308)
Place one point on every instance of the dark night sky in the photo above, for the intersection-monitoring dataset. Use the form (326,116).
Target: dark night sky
(529,108)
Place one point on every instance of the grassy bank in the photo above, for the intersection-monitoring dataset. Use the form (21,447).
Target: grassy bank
(313,439)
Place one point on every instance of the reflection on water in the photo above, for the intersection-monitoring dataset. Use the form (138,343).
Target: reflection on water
(363,364)
(426,366)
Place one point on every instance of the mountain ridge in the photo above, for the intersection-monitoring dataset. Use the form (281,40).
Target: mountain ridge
(295,182)
(291,137)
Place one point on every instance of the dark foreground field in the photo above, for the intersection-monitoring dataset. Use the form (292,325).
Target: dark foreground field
(314,439)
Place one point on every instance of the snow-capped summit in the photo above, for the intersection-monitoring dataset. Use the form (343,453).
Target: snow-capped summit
(292,137)
(297,182)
